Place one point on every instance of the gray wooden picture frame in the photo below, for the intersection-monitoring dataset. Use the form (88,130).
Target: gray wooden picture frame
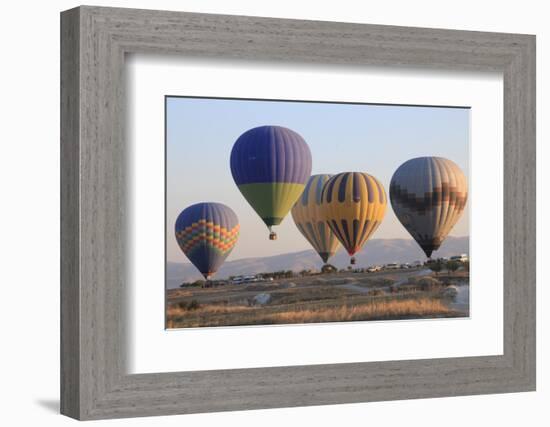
(94,41)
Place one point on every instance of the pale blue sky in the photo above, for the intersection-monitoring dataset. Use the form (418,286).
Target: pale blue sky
(342,137)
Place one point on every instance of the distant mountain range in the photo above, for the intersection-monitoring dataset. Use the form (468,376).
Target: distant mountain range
(377,251)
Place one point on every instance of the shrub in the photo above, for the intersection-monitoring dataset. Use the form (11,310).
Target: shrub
(452,266)
(428,283)
(328,268)
(436,266)
(188,305)
(424,283)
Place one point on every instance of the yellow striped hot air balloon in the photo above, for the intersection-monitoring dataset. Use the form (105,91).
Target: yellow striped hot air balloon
(353,205)
(309,219)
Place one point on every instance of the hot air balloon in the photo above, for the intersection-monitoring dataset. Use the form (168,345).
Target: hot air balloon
(308,218)
(353,205)
(206,233)
(428,196)
(271,165)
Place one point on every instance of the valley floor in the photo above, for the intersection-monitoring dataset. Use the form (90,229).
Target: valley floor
(335,297)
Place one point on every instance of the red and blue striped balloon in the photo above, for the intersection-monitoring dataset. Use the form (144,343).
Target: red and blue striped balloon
(207,233)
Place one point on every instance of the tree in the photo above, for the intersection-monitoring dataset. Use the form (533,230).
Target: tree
(328,268)
(435,266)
(196,283)
(452,266)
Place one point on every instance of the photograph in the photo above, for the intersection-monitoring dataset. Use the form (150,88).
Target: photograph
(299,212)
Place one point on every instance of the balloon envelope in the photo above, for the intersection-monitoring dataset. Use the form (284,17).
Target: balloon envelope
(309,218)
(207,233)
(428,196)
(353,205)
(270,165)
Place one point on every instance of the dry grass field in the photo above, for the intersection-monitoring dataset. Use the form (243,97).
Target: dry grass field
(337,297)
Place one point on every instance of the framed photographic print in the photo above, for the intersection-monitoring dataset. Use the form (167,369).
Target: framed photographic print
(277,213)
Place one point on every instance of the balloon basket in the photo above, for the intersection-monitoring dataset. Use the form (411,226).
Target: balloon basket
(272,236)
(352,261)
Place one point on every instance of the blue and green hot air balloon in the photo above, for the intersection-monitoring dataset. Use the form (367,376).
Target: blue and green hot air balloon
(271,165)
(206,233)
